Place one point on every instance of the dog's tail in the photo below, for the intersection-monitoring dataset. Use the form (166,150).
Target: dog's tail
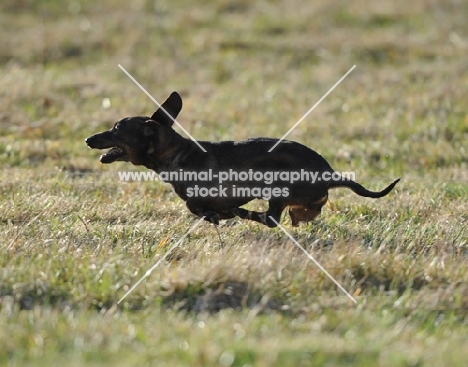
(361,190)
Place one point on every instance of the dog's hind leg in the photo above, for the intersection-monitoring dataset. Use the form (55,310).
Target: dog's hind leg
(275,210)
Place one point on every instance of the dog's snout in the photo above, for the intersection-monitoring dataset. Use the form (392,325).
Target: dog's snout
(91,141)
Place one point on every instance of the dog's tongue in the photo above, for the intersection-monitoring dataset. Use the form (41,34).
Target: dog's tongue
(112,155)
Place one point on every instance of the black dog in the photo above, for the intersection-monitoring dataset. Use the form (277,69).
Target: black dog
(153,143)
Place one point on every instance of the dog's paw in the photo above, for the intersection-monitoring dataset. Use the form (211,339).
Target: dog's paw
(211,217)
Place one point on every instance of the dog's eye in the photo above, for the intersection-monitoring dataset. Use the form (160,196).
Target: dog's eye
(116,128)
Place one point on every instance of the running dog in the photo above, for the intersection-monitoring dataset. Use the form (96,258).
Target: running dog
(153,143)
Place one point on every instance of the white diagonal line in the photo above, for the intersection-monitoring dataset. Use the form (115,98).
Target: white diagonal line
(315,261)
(162,108)
(148,273)
(315,105)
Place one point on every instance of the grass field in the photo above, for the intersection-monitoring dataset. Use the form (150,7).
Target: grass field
(74,238)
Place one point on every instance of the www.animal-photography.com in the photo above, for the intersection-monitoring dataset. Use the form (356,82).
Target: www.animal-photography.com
(234,183)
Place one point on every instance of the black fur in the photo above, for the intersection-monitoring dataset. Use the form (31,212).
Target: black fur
(153,143)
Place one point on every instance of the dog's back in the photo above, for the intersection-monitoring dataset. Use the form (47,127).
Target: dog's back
(253,154)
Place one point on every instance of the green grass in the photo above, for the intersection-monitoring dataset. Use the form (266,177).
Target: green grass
(74,238)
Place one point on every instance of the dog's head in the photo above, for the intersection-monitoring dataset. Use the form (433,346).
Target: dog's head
(133,138)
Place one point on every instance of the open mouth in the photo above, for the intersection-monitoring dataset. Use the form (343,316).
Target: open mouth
(114,154)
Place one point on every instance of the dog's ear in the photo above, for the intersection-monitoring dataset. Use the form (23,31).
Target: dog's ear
(150,128)
(172,105)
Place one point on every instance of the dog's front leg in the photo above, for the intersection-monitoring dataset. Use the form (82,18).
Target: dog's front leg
(198,208)
(275,209)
